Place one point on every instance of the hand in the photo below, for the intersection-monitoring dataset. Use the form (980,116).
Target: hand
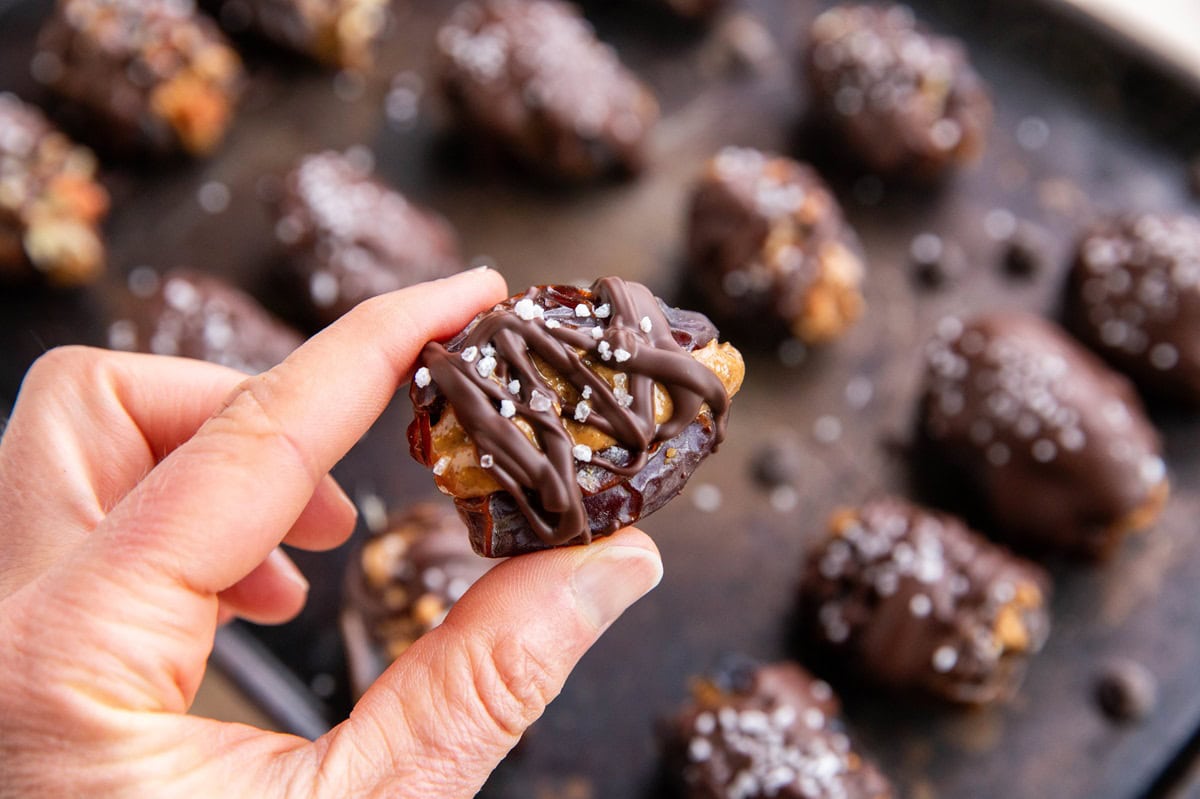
(144,501)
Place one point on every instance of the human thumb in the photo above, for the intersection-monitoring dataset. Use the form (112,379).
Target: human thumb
(437,723)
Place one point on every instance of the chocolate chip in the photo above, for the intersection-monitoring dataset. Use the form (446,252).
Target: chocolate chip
(778,463)
(735,673)
(1027,251)
(1126,691)
(935,261)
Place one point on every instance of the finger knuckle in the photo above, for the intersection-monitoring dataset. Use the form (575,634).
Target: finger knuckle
(73,360)
(511,684)
(250,413)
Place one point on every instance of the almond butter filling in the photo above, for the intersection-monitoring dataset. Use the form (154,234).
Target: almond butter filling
(457,471)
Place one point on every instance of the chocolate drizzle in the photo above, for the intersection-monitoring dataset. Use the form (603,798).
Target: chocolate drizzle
(634,338)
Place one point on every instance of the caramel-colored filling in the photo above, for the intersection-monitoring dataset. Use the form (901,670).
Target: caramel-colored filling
(833,299)
(196,110)
(456,460)
(1009,628)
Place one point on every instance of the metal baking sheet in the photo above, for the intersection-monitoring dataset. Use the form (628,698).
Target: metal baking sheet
(1080,128)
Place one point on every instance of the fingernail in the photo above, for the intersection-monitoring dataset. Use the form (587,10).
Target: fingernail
(343,498)
(285,568)
(611,580)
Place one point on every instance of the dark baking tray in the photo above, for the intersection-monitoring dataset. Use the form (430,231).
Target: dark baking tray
(1119,136)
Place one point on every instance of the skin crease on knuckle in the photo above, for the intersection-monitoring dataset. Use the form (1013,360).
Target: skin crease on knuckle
(249,413)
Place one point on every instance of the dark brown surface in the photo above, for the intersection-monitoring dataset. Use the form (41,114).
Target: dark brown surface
(730,573)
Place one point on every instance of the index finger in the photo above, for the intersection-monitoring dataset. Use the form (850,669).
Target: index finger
(214,508)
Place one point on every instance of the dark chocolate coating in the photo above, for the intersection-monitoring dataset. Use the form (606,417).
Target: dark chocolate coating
(1056,443)
(771,732)
(193,315)
(770,246)
(535,358)
(401,582)
(150,75)
(340,33)
(530,76)
(50,203)
(913,599)
(349,237)
(1134,297)
(904,101)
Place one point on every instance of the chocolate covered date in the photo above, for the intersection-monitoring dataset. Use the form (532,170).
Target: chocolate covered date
(149,75)
(758,731)
(913,599)
(50,203)
(400,584)
(340,33)
(348,237)
(768,243)
(531,77)
(1134,297)
(1055,442)
(904,101)
(192,315)
(565,413)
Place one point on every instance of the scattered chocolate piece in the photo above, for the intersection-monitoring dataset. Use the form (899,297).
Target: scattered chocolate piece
(1134,297)
(349,237)
(401,582)
(341,33)
(1056,443)
(905,102)
(770,245)
(768,731)
(192,315)
(50,203)
(563,413)
(530,76)
(1127,691)
(1028,251)
(778,463)
(935,261)
(915,599)
(151,75)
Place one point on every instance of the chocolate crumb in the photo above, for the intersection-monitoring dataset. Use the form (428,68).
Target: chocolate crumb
(777,463)
(935,261)
(1126,691)
(1028,251)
